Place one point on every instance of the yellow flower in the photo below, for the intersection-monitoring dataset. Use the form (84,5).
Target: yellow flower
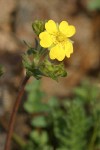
(56,39)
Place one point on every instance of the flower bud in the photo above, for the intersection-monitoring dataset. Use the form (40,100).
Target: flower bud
(38,26)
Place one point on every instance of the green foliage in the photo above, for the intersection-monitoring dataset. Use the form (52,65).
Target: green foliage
(70,124)
(94,5)
(75,128)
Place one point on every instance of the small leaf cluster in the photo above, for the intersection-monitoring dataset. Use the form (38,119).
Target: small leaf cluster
(70,124)
(53,71)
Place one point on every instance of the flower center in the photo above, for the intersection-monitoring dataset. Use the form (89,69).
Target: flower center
(60,37)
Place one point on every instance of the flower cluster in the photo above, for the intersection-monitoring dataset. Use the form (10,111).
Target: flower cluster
(52,43)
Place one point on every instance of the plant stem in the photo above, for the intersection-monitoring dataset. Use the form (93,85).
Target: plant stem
(14,113)
(15,137)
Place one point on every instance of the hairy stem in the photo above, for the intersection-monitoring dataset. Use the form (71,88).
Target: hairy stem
(13,114)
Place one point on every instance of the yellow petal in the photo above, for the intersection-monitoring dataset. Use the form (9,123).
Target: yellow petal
(66,29)
(51,27)
(45,39)
(70,31)
(68,48)
(42,35)
(63,26)
(52,53)
(57,52)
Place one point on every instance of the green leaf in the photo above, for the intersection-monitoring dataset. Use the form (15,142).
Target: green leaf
(29,107)
(39,138)
(39,121)
(38,26)
(53,102)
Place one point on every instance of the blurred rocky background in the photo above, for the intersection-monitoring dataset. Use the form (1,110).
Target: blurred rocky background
(16,17)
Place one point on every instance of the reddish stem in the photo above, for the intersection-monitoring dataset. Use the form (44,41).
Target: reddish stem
(14,113)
